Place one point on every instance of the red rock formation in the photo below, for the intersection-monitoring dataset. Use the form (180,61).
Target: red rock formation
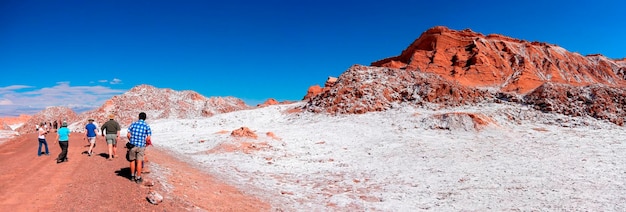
(313,91)
(273,136)
(268,102)
(244,132)
(316,89)
(497,61)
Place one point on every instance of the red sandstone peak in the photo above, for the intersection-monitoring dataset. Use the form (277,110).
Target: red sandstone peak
(268,102)
(501,62)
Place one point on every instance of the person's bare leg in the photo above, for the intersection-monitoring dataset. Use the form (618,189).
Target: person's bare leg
(132,168)
(138,175)
(91,146)
(110,150)
(114,150)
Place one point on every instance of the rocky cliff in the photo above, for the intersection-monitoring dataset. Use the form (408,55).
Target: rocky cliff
(451,68)
(508,64)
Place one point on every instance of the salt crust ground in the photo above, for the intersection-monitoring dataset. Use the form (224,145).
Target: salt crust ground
(407,159)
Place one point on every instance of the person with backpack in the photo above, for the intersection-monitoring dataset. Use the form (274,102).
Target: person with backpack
(138,134)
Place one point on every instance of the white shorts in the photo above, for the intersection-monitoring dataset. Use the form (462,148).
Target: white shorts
(91,140)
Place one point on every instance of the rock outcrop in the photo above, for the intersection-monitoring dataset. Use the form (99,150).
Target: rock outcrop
(598,101)
(508,64)
(451,68)
(316,89)
(268,102)
(244,132)
(364,88)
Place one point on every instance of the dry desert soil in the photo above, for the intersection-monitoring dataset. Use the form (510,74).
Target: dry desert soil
(93,183)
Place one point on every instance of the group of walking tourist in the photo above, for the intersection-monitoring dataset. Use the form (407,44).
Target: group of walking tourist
(138,135)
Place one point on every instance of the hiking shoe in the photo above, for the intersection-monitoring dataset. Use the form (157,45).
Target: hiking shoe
(139,180)
(132,178)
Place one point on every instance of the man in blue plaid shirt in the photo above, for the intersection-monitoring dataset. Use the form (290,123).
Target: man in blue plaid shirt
(138,133)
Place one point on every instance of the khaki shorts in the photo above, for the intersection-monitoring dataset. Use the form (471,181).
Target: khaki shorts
(136,153)
(111,139)
(91,140)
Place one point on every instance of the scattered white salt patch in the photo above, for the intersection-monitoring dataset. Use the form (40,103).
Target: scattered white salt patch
(6,135)
(393,161)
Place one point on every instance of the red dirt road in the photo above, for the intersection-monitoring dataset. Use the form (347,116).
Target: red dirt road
(32,183)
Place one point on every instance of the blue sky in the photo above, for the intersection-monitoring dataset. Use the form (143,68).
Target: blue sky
(80,53)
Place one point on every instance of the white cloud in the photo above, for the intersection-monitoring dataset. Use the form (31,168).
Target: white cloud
(5,102)
(116,81)
(30,101)
(12,88)
(102,81)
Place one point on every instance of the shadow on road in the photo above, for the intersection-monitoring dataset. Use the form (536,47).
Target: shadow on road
(124,172)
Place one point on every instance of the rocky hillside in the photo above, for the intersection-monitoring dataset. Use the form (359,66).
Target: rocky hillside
(364,88)
(48,115)
(162,104)
(452,68)
(155,102)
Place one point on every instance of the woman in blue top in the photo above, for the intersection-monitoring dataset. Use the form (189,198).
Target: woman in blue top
(63,136)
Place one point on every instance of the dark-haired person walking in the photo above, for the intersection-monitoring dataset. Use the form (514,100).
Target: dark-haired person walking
(91,133)
(63,136)
(138,133)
